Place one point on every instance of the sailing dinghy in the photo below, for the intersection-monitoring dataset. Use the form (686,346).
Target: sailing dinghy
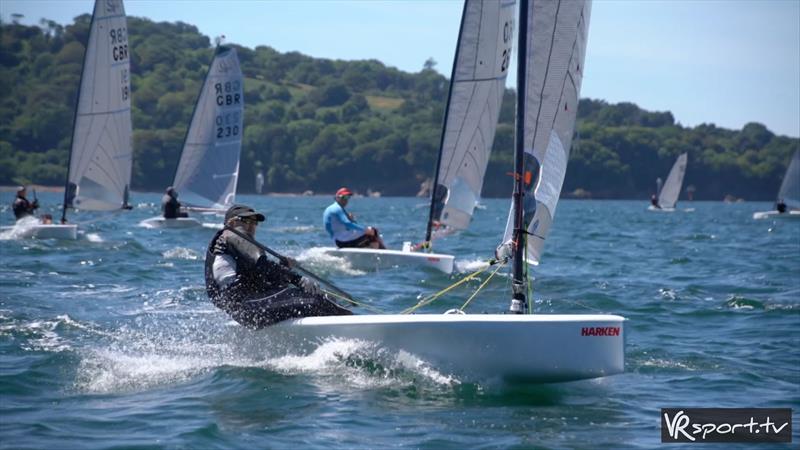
(788,195)
(478,79)
(668,195)
(519,346)
(208,170)
(101,156)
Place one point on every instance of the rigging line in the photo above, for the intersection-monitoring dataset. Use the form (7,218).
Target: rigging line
(351,301)
(429,299)
(482,285)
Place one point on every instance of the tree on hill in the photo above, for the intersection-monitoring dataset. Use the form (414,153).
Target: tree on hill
(315,123)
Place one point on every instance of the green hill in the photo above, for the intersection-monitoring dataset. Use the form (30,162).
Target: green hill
(317,124)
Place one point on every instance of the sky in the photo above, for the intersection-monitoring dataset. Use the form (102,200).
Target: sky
(726,62)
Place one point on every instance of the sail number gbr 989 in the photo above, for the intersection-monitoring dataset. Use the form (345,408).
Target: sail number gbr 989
(119,44)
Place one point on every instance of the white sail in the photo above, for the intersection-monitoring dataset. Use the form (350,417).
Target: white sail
(483,54)
(101,157)
(790,187)
(672,187)
(556,38)
(209,166)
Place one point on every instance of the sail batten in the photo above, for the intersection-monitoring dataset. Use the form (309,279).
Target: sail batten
(101,155)
(208,170)
(477,85)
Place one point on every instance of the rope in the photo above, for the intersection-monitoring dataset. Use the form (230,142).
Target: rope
(353,302)
(429,299)
(481,286)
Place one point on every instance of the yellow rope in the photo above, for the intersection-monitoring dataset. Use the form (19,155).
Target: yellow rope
(481,286)
(429,299)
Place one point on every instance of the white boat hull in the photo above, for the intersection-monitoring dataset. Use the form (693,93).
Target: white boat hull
(653,208)
(41,231)
(180,222)
(375,259)
(532,347)
(776,215)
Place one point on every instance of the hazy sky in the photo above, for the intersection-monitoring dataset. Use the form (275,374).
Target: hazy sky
(726,62)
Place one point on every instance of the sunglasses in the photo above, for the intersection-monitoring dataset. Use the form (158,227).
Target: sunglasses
(248,220)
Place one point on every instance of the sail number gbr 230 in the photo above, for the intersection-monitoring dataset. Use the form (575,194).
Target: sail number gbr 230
(228,94)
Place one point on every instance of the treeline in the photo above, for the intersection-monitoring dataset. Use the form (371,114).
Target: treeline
(318,123)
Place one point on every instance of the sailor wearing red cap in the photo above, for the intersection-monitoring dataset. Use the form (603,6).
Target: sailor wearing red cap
(342,227)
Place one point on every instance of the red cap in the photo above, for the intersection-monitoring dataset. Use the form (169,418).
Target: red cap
(343,191)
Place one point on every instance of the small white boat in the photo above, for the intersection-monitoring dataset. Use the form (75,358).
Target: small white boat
(511,347)
(369,259)
(471,116)
(514,347)
(789,193)
(668,195)
(40,231)
(793,214)
(180,222)
(101,154)
(208,169)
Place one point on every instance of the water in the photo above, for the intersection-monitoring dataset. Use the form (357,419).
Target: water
(110,341)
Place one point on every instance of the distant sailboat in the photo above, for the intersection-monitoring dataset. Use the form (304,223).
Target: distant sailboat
(101,156)
(789,194)
(668,196)
(208,170)
(483,53)
(527,347)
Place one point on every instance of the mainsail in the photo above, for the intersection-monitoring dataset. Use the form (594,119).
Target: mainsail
(208,170)
(790,187)
(483,53)
(672,187)
(555,39)
(101,156)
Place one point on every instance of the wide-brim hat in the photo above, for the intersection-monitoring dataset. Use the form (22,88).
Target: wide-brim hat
(243,211)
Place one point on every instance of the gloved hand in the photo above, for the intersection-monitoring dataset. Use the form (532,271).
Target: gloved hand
(309,286)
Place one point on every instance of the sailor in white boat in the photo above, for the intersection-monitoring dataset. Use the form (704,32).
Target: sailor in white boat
(780,206)
(22,207)
(170,205)
(255,291)
(654,201)
(342,227)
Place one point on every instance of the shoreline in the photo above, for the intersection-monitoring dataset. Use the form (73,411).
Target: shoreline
(566,196)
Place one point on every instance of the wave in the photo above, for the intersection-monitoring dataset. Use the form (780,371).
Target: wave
(181,253)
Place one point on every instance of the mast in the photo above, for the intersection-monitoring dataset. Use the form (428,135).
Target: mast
(429,228)
(75,115)
(519,304)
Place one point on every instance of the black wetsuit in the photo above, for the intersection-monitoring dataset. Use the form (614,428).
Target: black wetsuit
(171,207)
(263,292)
(23,208)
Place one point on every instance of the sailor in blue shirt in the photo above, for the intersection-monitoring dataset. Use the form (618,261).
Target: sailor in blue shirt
(343,229)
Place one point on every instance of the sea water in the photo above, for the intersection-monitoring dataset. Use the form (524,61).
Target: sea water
(109,341)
